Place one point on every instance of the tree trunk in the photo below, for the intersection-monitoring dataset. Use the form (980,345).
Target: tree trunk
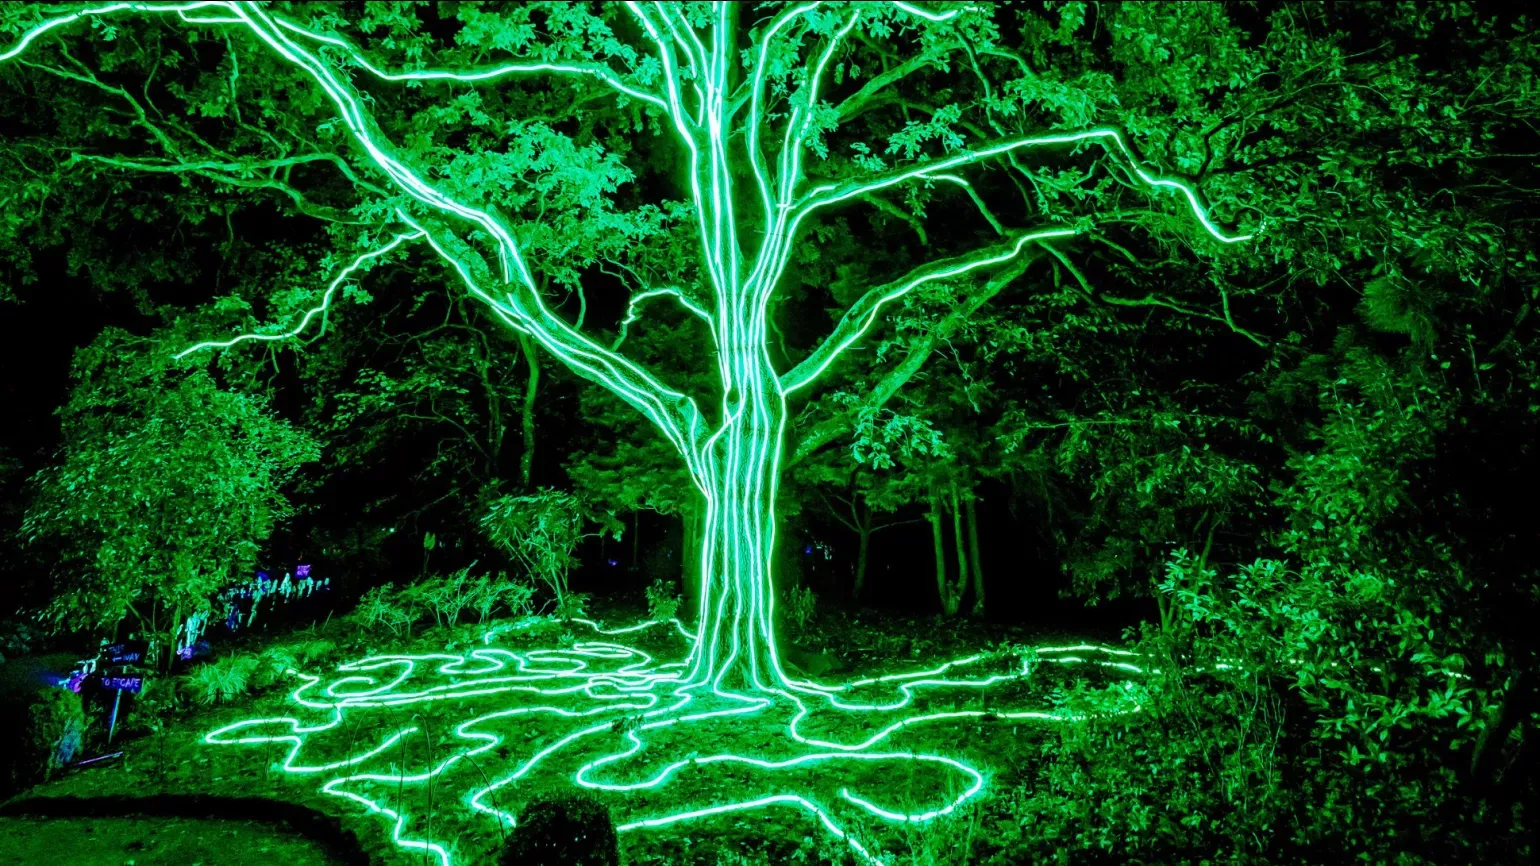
(973,555)
(693,520)
(864,530)
(938,540)
(527,414)
(735,644)
(960,542)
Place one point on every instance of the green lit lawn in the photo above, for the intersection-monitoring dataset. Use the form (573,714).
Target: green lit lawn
(178,761)
(146,841)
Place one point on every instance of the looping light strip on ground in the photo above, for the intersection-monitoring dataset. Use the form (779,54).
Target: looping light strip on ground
(619,683)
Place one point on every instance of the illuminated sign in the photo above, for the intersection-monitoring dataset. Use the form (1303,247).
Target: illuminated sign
(126,653)
(123,684)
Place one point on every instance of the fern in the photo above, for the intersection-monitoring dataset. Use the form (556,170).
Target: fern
(222,680)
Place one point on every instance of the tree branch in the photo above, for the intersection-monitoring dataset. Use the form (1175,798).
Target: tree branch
(863,313)
(490,73)
(919,352)
(1110,139)
(1154,300)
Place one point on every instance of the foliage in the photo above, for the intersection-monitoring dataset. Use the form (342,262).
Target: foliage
(570,828)
(662,601)
(571,605)
(1300,452)
(493,590)
(798,606)
(17,639)
(165,488)
(447,597)
(56,728)
(541,532)
(228,678)
(387,607)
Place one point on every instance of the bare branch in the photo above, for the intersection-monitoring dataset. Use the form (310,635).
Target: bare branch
(1154,300)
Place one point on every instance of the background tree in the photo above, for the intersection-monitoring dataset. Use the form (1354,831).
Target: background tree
(164,491)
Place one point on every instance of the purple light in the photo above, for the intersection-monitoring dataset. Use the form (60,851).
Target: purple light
(302,571)
(97,758)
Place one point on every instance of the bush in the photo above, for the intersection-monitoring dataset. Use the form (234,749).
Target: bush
(565,830)
(17,639)
(516,595)
(572,605)
(308,652)
(446,595)
(223,680)
(662,601)
(273,666)
(386,607)
(56,728)
(798,606)
(541,532)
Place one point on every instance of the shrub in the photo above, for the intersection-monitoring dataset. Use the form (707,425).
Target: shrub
(386,607)
(309,651)
(565,830)
(222,680)
(798,606)
(446,595)
(541,532)
(491,590)
(56,727)
(572,605)
(17,639)
(273,666)
(662,601)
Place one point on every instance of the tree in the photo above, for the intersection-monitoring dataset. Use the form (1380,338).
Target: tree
(773,129)
(164,491)
(756,127)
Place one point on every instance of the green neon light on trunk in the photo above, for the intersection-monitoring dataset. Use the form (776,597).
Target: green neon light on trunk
(731,668)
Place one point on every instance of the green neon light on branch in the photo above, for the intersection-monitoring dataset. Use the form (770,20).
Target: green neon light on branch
(318,310)
(730,668)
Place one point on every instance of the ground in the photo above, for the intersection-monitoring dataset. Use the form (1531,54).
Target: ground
(149,841)
(978,732)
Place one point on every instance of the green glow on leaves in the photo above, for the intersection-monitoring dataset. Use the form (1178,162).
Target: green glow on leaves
(732,667)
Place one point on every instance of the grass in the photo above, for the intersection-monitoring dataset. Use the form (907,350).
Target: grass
(176,760)
(149,841)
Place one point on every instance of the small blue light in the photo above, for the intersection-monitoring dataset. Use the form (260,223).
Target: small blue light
(808,550)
